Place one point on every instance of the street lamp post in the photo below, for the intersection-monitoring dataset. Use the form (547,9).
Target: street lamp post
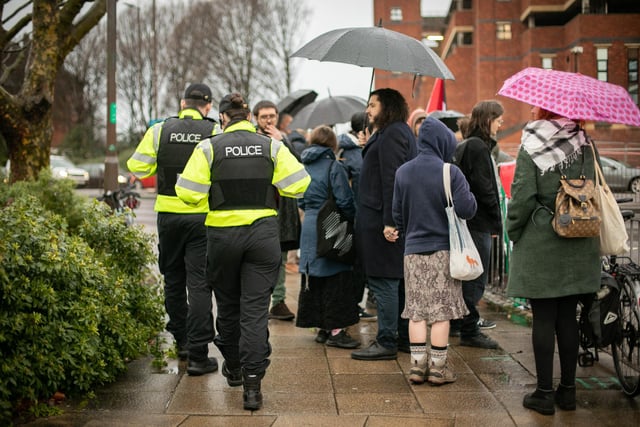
(111,158)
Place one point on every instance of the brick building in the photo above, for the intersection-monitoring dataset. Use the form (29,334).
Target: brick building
(486,41)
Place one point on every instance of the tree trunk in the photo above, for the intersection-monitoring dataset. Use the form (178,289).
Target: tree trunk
(26,116)
(29,150)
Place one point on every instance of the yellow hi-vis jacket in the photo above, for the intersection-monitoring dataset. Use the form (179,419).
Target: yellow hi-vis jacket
(193,185)
(143,163)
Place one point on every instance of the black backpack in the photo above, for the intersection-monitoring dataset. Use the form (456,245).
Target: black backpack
(600,316)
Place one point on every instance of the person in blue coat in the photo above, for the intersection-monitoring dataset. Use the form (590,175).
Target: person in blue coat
(350,150)
(328,299)
(433,297)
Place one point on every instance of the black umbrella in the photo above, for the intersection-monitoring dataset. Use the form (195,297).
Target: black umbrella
(376,47)
(296,101)
(448,117)
(328,111)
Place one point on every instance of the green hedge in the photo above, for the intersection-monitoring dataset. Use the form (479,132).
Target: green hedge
(78,298)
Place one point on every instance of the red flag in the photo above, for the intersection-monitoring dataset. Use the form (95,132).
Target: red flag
(438,99)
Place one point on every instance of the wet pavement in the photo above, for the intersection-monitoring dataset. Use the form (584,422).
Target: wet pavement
(310,384)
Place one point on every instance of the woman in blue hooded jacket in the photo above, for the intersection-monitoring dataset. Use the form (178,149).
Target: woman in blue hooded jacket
(432,296)
(328,299)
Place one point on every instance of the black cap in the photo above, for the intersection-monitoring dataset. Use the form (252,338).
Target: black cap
(198,91)
(226,104)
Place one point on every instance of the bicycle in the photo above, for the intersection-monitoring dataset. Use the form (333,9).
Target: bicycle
(625,346)
(626,349)
(122,202)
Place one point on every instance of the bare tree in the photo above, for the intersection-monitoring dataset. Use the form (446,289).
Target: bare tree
(136,88)
(232,46)
(180,58)
(56,28)
(246,47)
(87,62)
(289,17)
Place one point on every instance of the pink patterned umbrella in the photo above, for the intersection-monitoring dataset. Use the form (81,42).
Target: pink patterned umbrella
(572,95)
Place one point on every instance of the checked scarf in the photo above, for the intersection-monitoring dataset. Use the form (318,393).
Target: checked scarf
(553,143)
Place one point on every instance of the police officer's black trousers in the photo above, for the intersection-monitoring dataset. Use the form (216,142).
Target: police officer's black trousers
(242,267)
(187,296)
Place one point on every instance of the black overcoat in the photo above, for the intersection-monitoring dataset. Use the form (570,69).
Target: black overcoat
(386,150)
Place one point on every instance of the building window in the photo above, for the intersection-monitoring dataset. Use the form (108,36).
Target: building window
(602,56)
(503,30)
(632,72)
(465,39)
(396,14)
(465,4)
(547,63)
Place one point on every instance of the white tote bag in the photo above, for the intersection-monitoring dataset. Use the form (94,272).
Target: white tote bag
(464,259)
(613,231)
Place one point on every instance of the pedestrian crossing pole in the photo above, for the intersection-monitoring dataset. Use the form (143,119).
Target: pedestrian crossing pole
(111,157)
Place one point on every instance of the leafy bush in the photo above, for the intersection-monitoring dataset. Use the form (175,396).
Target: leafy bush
(77,294)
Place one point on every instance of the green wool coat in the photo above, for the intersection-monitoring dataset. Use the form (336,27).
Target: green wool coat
(543,264)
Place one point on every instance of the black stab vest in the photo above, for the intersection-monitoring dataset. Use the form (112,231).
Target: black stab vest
(241,172)
(177,140)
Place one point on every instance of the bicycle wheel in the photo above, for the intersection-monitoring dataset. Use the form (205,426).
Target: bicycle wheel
(626,351)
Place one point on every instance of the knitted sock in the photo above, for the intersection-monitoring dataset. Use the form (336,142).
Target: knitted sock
(438,356)
(418,351)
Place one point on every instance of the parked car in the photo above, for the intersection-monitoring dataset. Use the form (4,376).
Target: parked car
(620,176)
(61,167)
(96,175)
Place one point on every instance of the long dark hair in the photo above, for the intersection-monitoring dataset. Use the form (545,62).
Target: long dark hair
(483,113)
(394,107)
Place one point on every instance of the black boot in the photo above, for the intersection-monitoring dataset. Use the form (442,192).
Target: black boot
(252,396)
(566,398)
(233,375)
(540,401)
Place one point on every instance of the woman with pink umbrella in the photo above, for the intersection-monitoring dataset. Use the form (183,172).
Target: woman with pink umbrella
(550,270)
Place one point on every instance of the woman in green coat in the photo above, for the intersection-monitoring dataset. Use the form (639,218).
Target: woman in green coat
(550,270)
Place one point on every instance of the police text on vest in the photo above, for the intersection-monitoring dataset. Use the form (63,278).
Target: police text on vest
(241,151)
(185,137)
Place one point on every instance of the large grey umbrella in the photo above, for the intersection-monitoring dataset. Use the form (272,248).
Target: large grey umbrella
(376,47)
(296,101)
(328,111)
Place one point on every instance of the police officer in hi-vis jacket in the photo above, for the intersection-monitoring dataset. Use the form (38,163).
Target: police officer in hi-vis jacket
(239,174)
(164,150)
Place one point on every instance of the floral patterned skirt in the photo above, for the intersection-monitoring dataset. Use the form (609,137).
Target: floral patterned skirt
(430,292)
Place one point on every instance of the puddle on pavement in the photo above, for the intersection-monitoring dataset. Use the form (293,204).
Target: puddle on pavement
(173,370)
